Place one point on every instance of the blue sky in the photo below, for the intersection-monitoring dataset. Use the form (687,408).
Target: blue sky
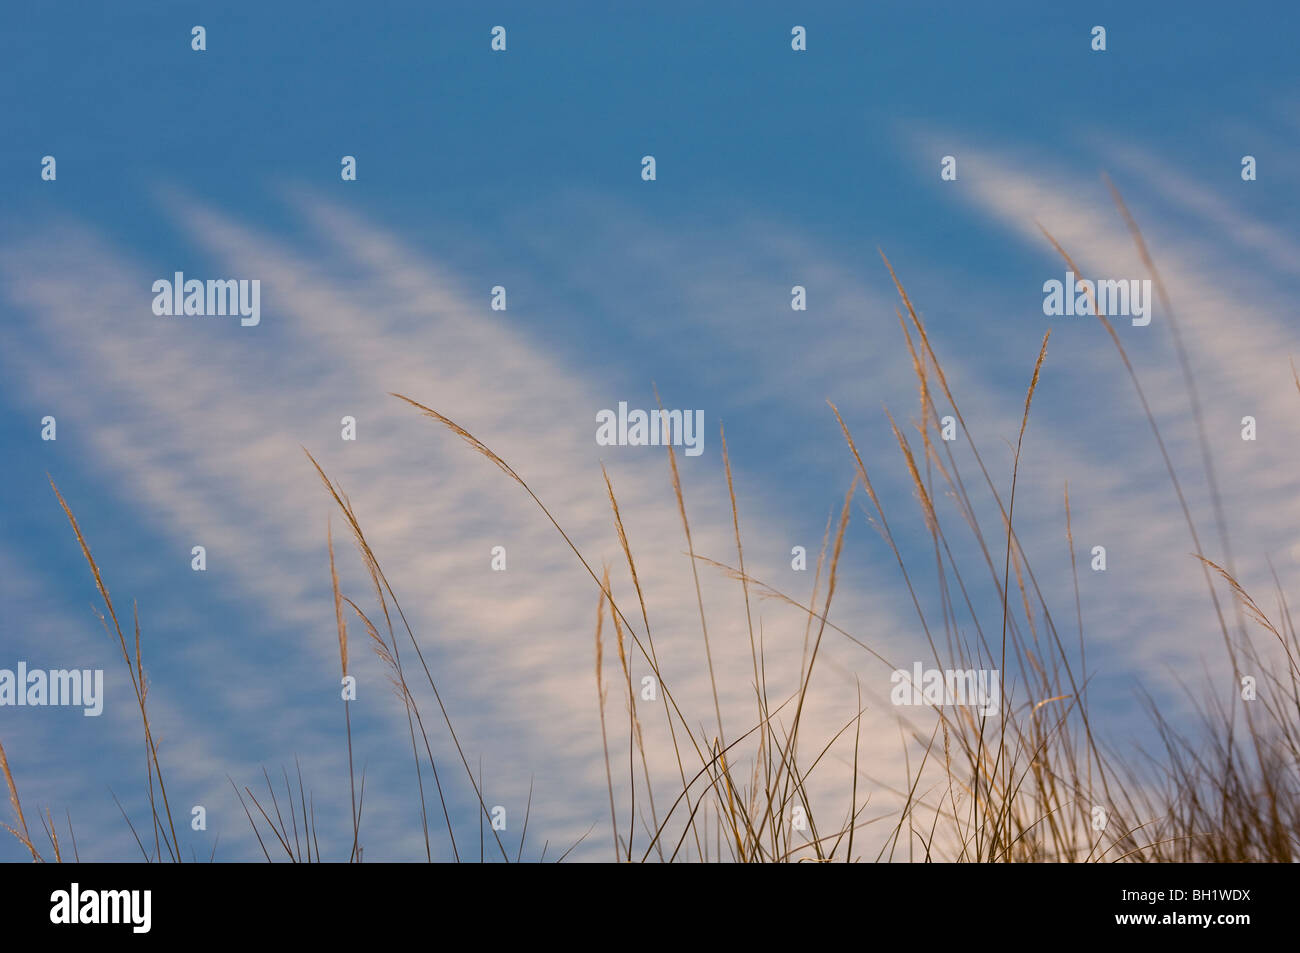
(522,169)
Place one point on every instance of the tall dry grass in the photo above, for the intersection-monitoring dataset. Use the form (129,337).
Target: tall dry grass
(1022,788)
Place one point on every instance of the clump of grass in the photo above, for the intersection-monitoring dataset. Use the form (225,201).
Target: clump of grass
(1028,792)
